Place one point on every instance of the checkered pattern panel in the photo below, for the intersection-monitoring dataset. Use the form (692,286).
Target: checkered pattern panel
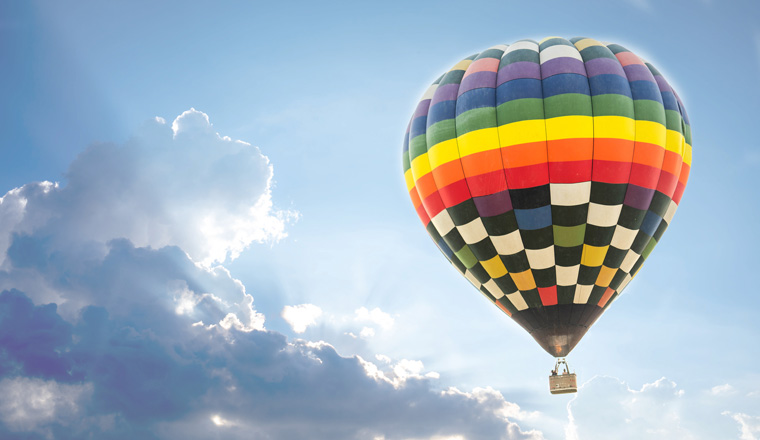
(546,172)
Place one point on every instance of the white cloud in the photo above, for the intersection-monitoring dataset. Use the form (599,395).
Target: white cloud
(749,426)
(28,404)
(367,332)
(301,316)
(376,316)
(606,408)
(183,185)
(720,389)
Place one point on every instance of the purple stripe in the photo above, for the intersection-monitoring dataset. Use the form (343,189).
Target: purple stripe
(478,80)
(637,72)
(664,86)
(447,92)
(493,204)
(422,108)
(562,65)
(638,197)
(604,66)
(520,69)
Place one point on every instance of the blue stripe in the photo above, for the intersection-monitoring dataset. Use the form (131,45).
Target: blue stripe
(476,98)
(531,219)
(418,127)
(669,101)
(644,89)
(518,89)
(445,249)
(609,83)
(650,223)
(442,111)
(565,83)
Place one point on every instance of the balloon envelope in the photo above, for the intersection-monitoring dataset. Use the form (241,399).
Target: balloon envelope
(546,173)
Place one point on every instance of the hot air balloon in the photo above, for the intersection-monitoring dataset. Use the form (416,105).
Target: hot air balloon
(546,173)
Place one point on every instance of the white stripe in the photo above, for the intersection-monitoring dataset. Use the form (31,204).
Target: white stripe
(541,258)
(582,293)
(670,212)
(625,282)
(517,300)
(471,278)
(508,244)
(522,45)
(429,92)
(630,259)
(494,289)
(560,51)
(603,215)
(623,237)
(501,47)
(443,223)
(567,276)
(570,194)
(473,232)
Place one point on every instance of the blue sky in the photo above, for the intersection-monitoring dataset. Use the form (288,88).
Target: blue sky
(204,230)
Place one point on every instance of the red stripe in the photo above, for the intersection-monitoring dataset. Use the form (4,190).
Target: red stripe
(548,295)
(644,175)
(433,204)
(503,309)
(607,171)
(570,172)
(528,176)
(487,184)
(667,183)
(455,193)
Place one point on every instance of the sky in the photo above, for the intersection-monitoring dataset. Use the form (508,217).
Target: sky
(205,231)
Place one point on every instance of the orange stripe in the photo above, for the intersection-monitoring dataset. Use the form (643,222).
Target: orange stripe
(426,185)
(672,163)
(448,173)
(684,177)
(606,297)
(503,309)
(523,155)
(648,154)
(482,163)
(614,150)
(570,150)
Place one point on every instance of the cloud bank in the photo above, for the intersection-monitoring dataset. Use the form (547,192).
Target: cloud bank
(117,321)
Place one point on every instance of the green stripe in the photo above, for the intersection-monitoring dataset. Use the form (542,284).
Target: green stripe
(593,52)
(466,257)
(417,146)
(520,110)
(647,110)
(520,55)
(612,104)
(569,236)
(475,119)
(441,131)
(567,104)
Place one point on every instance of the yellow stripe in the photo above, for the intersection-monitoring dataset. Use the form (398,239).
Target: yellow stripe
(605,276)
(650,132)
(587,42)
(687,154)
(443,152)
(546,39)
(477,141)
(524,280)
(593,256)
(617,127)
(495,267)
(522,132)
(462,65)
(569,127)
(674,142)
(420,166)
(409,179)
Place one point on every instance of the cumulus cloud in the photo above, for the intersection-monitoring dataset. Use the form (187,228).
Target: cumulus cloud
(375,316)
(182,185)
(116,323)
(749,426)
(301,316)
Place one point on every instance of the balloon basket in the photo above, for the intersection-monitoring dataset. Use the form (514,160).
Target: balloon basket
(562,382)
